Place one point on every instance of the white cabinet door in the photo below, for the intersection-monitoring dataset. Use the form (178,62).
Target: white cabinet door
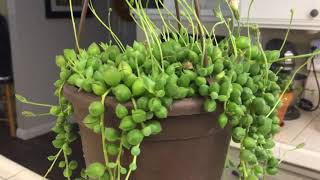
(204,4)
(207,7)
(276,13)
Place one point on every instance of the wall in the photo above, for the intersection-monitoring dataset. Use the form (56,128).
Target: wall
(35,42)
(3,7)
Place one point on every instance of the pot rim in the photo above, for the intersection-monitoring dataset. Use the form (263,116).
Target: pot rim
(187,106)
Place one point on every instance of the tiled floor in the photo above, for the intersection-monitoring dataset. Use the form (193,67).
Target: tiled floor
(12,171)
(306,130)
(310,135)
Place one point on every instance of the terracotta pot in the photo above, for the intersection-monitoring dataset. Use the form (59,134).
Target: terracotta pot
(286,100)
(191,145)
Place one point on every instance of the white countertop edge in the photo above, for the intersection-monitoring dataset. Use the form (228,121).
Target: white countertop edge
(300,157)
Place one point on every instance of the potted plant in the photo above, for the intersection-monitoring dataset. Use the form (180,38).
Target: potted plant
(167,109)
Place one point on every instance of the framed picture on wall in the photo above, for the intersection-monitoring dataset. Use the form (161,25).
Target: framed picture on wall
(60,8)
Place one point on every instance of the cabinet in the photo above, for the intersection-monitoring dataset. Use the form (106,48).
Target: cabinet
(276,13)
(268,14)
(207,6)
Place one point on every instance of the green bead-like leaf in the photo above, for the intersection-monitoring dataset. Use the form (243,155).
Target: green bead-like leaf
(62,164)
(51,158)
(73,165)
(121,111)
(95,170)
(67,173)
(58,143)
(111,134)
(133,166)
(135,151)
(149,84)
(112,165)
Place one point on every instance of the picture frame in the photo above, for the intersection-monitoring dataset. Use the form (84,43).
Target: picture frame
(60,9)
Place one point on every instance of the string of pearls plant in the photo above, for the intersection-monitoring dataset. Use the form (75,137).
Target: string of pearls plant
(234,73)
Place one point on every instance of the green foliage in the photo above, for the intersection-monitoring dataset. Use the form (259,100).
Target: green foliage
(283,80)
(95,170)
(238,86)
(232,75)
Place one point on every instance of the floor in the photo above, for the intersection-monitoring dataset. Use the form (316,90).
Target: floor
(13,171)
(302,130)
(31,154)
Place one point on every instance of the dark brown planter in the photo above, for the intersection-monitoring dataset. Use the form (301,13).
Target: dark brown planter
(191,145)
